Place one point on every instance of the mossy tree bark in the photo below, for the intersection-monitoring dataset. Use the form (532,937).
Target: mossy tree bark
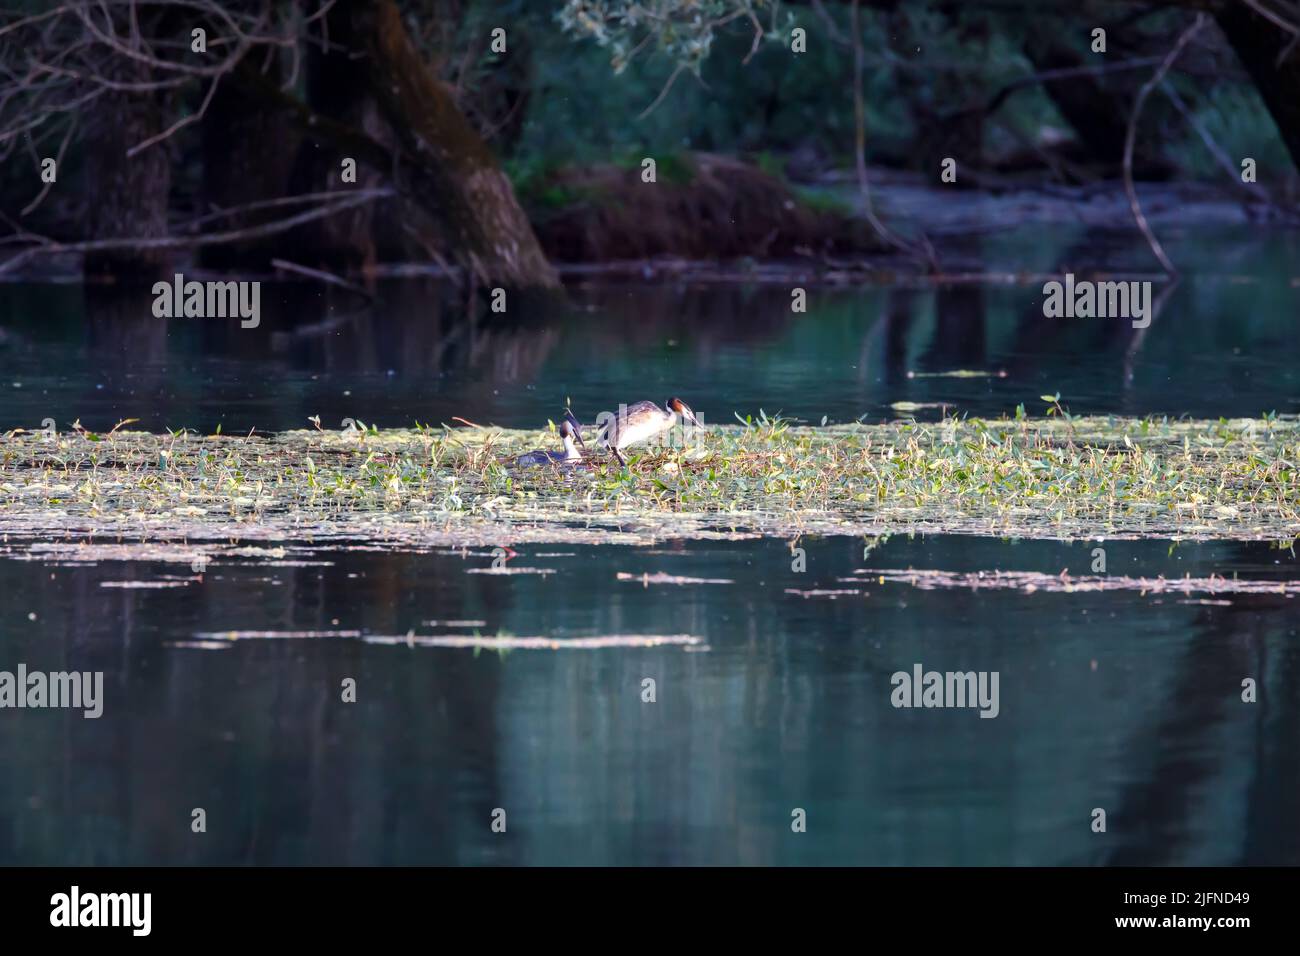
(1259,44)
(482,217)
(126,196)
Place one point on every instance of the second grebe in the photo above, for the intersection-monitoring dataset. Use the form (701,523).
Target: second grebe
(571,438)
(642,421)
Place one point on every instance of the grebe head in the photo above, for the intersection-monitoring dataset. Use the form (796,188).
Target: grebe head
(675,404)
(571,420)
(570,433)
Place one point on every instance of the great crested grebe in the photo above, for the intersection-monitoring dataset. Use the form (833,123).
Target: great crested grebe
(642,421)
(572,439)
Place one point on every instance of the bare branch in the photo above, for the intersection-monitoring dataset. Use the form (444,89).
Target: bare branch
(52,247)
(58,161)
(1271,17)
(179,124)
(1130,140)
(924,249)
(662,93)
(321,275)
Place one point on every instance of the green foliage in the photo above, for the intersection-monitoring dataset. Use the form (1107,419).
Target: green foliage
(1029,477)
(584,112)
(682,31)
(1239,122)
(924,63)
(824,201)
(920,64)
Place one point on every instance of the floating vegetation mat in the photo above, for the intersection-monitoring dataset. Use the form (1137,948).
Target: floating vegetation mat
(660,577)
(1031,581)
(832,593)
(1053,477)
(220,640)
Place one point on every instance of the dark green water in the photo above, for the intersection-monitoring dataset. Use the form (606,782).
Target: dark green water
(1121,701)
(1224,344)
(789,707)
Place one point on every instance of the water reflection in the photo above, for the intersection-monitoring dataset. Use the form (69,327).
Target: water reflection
(1223,346)
(1114,700)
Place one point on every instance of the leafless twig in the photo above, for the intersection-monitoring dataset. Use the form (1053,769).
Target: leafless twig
(1130,140)
(45,246)
(58,161)
(1256,191)
(664,92)
(320,274)
(179,124)
(1271,17)
(923,246)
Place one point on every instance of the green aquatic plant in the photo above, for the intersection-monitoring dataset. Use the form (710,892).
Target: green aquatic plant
(1058,477)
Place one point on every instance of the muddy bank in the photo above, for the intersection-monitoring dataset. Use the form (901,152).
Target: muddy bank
(700,206)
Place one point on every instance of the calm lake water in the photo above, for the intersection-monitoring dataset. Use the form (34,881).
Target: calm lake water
(1120,700)
(1224,344)
(1113,700)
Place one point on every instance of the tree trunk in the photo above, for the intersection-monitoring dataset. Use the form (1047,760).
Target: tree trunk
(1258,43)
(247,152)
(1099,117)
(492,236)
(337,87)
(126,197)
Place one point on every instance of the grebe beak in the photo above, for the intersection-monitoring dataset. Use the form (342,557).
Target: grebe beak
(575,428)
(685,411)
